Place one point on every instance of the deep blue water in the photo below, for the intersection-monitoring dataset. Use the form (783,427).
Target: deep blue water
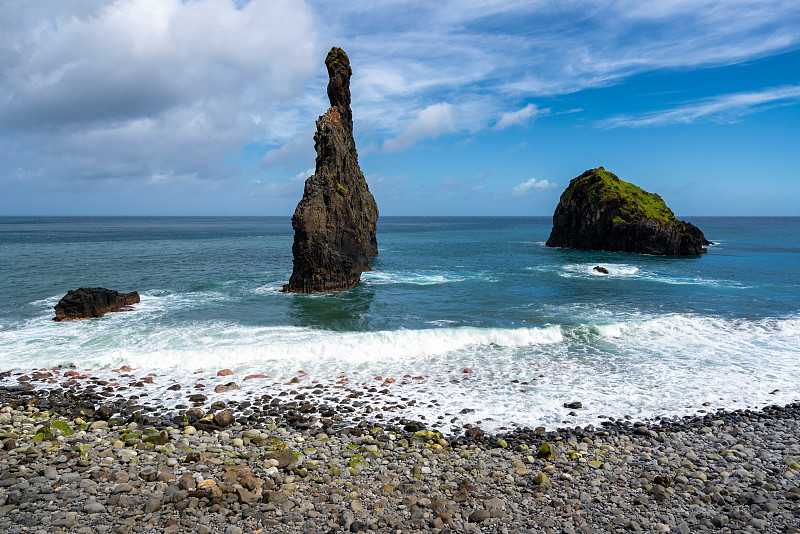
(657,336)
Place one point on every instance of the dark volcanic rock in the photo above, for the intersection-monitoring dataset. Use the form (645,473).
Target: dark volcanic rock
(601,270)
(88,302)
(334,223)
(598,211)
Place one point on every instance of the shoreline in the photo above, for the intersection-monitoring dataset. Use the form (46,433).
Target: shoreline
(305,400)
(70,463)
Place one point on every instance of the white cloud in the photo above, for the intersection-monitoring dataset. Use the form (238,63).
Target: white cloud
(727,108)
(136,89)
(298,151)
(302,176)
(138,58)
(536,48)
(532,184)
(431,122)
(521,116)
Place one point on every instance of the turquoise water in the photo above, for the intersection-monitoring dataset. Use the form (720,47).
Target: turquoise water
(538,326)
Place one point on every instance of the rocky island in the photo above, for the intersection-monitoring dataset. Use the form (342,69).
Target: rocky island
(334,223)
(598,211)
(89,302)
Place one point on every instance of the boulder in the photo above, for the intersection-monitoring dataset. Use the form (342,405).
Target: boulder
(335,221)
(598,211)
(89,302)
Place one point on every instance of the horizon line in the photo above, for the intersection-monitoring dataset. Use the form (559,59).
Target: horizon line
(117,216)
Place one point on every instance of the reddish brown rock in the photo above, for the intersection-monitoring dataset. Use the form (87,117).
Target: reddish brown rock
(249,377)
(223,418)
(335,221)
(224,372)
(89,302)
(475,432)
(223,388)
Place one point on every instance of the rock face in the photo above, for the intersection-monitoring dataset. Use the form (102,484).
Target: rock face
(88,302)
(598,211)
(334,223)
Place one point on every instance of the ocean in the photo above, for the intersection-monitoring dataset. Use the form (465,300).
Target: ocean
(537,327)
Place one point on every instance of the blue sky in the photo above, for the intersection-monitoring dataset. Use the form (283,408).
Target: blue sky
(207,107)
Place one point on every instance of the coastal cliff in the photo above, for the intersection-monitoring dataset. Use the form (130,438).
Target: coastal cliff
(335,221)
(598,211)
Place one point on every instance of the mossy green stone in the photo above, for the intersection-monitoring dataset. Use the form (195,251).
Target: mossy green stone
(546,451)
(158,439)
(427,435)
(63,427)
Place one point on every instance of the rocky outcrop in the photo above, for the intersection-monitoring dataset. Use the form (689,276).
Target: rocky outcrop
(334,223)
(88,302)
(598,211)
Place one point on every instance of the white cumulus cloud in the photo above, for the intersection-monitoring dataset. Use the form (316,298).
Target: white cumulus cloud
(433,121)
(532,184)
(521,116)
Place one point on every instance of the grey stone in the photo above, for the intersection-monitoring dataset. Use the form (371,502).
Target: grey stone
(152,505)
(479,515)
(93,507)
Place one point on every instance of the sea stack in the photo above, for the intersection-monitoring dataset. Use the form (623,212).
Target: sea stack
(89,302)
(598,211)
(334,223)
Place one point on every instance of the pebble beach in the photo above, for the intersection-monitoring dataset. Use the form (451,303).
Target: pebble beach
(75,460)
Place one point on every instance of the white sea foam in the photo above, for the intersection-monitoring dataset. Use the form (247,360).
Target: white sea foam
(48,302)
(442,323)
(617,270)
(615,364)
(422,278)
(625,271)
(269,289)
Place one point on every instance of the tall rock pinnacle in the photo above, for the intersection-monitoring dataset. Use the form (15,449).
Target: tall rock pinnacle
(334,223)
